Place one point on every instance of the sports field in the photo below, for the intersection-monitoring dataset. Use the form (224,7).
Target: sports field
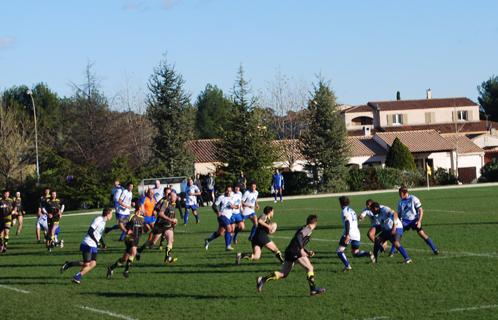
(460,283)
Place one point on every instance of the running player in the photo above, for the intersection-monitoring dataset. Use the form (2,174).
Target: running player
(411,212)
(135,227)
(89,246)
(147,205)
(41,223)
(278,185)
(158,191)
(7,208)
(123,211)
(54,210)
(261,239)
(392,230)
(237,219)
(19,213)
(249,207)
(165,224)
(296,252)
(375,227)
(223,208)
(192,191)
(351,235)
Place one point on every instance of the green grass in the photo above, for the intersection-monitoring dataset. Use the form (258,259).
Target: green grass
(207,285)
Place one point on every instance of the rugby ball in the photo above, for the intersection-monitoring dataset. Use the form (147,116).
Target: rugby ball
(273,227)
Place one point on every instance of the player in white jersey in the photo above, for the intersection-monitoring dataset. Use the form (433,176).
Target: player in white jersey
(123,210)
(375,227)
(158,191)
(351,235)
(249,206)
(89,246)
(392,230)
(191,192)
(411,214)
(237,219)
(223,207)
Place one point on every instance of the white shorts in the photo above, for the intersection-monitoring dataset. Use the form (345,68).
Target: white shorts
(42,223)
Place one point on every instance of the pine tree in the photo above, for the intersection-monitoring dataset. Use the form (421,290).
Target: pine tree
(213,109)
(324,140)
(247,143)
(169,110)
(400,157)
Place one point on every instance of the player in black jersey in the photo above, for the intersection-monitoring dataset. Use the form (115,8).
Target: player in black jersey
(7,208)
(19,213)
(54,208)
(261,239)
(134,228)
(41,223)
(296,252)
(165,224)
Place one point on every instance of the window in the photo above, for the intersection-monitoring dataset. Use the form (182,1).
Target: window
(397,119)
(463,115)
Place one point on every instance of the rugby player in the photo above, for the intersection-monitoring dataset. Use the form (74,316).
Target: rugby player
(135,227)
(41,223)
(278,185)
(351,235)
(223,208)
(296,252)
(19,213)
(261,239)
(54,209)
(249,207)
(123,211)
(89,246)
(237,219)
(7,208)
(411,212)
(392,230)
(375,227)
(147,205)
(192,191)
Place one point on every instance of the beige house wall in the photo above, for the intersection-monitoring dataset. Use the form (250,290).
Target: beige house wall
(427,116)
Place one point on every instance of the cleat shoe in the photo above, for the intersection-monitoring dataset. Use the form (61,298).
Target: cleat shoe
(110,272)
(260,282)
(137,256)
(64,267)
(391,255)
(346,269)
(206,244)
(436,252)
(126,274)
(274,201)
(372,257)
(76,279)
(170,259)
(61,244)
(238,258)
(407,261)
(229,248)
(235,241)
(317,291)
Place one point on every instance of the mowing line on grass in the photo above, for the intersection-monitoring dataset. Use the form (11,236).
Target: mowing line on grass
(13,289)
(71,215)
(109,313)
(492,306)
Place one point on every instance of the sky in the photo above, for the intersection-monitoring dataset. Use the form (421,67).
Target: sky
(367,50)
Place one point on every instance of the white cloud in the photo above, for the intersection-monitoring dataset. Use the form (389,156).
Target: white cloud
(6,42)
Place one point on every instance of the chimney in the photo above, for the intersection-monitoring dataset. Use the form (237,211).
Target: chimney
(428,94)
(398,95)
(367,131)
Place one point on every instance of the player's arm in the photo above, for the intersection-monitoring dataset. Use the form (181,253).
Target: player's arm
(347,226)
(121,201)
(363,214)
(262,222)
(61,210)
(165,217)
(395,218)
(216,206)
(90,232)
(420,216)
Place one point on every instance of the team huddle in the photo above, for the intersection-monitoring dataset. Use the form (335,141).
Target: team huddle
(154,217)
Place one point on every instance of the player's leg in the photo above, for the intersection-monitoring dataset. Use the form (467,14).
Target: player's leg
(340,253)
(275,193)
(6,232)
(228,234)
(196,215)
(254,220)
(187,214)
(396,241)
(254,255)
(214,235)
(89,262)
(275,275)
(20,225)
(170,238)
(132,252)
(281,194)
(310,275)
(240,227)
(150,242)
(118,263)
(357,253)
(273,248)
(38,231)
(371,234)
(427,240)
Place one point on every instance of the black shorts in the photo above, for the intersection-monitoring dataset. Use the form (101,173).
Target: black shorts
(260,239)
(388,236)
(159,228)
(291,256)
(5,224)
(88,253)
(129,244)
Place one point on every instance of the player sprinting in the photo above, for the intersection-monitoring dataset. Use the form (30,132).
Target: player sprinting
(411,212)
(7,208)
(296,252)
(278,185)
(261,239)
(351,235)
(249,206)
(89,246)
(392,230)
(375,227)
(191,192)
(124,205)
(223,208)
(135,227)
(237,219)
(54,209)
(165,224)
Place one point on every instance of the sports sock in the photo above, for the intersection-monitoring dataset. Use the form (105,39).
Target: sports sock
(403,252)
(168,251)
(393,249)
(377,248)
(236,233)
(118,263)
(253,232)
(431,244)
(5,241)
(311,280)
(343,258)
(197,218)
(246,255)
(279,256)
(128,264)
(123,235)
(213,236)
(185,217)
(142,248)
(281,197)
(362,254)
(271,276)
(275,195)
(228,239)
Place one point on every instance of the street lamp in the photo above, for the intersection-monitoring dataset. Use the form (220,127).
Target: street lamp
(30,93)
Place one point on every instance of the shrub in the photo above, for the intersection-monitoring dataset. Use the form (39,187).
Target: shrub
(444,177)
(489,172)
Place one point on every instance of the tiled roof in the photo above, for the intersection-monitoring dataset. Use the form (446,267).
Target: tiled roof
(204,150)
(418,141)
(464,127)
(289,149)
(358,109)
(462,144)
(422,104)
(364,146)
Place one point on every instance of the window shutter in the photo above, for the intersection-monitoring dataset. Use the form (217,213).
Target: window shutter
(404,118)
(455,117)
(389,120)
(427,118)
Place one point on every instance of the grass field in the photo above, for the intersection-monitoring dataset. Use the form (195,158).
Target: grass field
(461,283)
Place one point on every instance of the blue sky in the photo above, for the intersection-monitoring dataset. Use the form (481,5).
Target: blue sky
(367,49)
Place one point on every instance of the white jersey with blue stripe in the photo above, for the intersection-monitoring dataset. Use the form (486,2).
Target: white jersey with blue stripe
(125,197)
(224,203)
(98,225)
(348,214)
(408,208)
(249,199)
(191,198)
(237,200)
(374,219)
(386,217)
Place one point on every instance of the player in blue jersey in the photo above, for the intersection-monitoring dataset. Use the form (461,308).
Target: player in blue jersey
(391,230)
(375,227)
(223,208)
(411,214)
(191,193)
(278,185)
(351,235)
(89,246)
